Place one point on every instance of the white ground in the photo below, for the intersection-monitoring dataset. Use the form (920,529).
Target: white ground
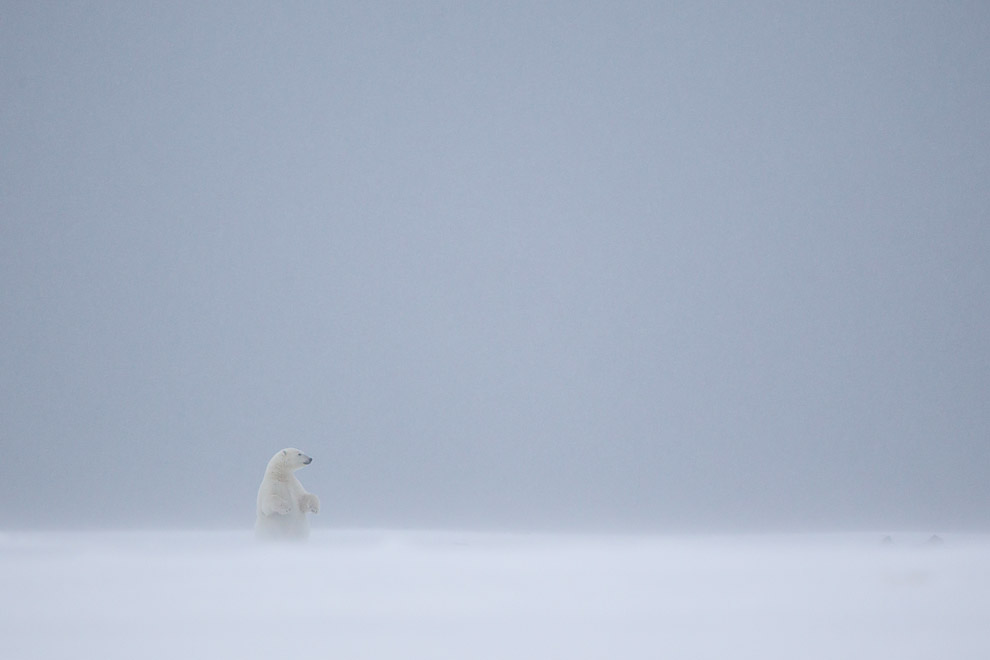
(149,595)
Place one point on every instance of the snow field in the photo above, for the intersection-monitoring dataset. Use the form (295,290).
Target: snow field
(401,594)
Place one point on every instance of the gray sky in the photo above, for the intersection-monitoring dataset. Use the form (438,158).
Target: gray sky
(512,264)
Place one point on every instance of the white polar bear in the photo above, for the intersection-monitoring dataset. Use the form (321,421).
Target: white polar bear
(282,501)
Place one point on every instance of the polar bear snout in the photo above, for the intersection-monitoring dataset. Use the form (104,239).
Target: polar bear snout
(307,460)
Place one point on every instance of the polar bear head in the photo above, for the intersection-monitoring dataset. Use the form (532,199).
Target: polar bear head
(289,459)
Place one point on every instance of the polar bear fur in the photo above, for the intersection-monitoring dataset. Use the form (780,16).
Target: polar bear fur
(282,501)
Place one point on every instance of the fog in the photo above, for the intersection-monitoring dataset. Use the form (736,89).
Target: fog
(545,266)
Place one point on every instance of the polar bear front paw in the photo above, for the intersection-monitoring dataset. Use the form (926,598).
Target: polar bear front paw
(309,502)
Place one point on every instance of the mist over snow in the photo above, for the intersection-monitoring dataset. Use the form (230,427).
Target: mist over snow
(387,594)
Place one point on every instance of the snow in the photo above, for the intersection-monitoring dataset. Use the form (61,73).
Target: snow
(418,594)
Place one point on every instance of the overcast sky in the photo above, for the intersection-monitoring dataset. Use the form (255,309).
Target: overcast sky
(637,265)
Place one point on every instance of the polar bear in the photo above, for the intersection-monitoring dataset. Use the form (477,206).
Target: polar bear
(282,501)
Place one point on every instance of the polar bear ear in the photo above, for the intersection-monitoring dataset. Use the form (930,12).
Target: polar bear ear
(283,453)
